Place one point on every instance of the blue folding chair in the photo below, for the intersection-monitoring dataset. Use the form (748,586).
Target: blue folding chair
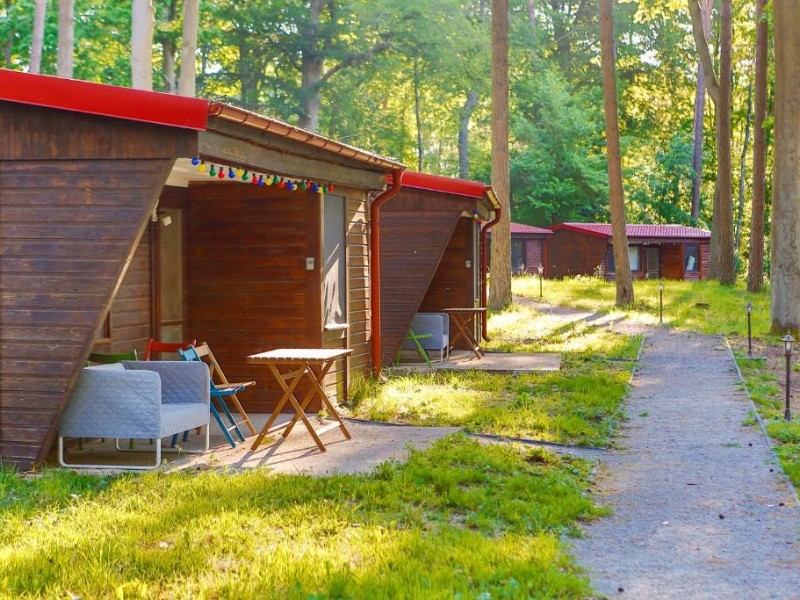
(219,393)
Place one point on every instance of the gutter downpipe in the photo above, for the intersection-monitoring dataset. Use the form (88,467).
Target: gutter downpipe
(375,265)
(485,269)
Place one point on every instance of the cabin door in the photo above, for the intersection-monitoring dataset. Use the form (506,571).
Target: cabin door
(653,262)
(170,310)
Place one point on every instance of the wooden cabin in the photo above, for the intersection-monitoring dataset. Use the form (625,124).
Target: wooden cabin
(127,214)
(432,251)
(655,251)
(528,248)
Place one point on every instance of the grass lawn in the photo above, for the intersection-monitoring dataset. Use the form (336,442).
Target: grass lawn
(579,404)
(460,520)
(724,315)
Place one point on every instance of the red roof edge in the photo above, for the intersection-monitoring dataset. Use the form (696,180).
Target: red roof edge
(568,227)
(104,100)
(449,185)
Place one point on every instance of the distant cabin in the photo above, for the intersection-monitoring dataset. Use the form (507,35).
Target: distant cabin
(655,251)
(528,248)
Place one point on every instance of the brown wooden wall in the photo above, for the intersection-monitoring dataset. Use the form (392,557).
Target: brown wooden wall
(246,283)
(672,261)
(416,228)
(453,284)
(76,192)
(64,242)
(573,253)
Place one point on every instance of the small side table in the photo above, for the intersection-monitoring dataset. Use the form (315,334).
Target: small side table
(289,366)
(463,318)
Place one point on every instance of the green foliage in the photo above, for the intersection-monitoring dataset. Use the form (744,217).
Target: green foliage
(558,171)
(458,520)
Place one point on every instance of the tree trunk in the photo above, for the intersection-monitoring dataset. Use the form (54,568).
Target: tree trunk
(699,119)
(743,171)
(169,65)
(37,39)
(418,115)
(722,265)
(66,37)
(311,69)
(755,274)
(191,20)
(463,133)
(785,276)
(500,288)
(142,23)
(619,238)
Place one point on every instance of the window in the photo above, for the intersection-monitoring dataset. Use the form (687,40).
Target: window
(691,258)
(610,258)
(633,257)
(517,256)
(335,274)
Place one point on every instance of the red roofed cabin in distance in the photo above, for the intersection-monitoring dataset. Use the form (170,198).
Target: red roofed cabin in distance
(655,251)
(528,248)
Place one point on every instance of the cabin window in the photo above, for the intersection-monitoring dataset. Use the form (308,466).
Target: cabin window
(691,258)
(517,256)
(610,258)
(633,257)
(334,295)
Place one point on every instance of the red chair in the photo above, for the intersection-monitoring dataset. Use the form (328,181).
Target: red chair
(156,347)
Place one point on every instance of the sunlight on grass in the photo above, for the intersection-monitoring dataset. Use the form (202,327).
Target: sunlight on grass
(579,404)
(458,520)
(762,385)
(725,313)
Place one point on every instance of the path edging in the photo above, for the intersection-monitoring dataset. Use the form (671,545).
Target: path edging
(762,425)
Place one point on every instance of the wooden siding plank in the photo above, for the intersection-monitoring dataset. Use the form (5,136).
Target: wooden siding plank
(56,289)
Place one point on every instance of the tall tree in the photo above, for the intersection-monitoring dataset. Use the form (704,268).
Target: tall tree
(142,24)
(722,265)
(37,41)
(743,171)
(755,273)
(66,37)
(699,116)
(500,289)
(785,274)
(191,19)
(619,237)
(463,133)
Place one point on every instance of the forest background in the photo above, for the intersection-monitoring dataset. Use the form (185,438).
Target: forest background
(411,79)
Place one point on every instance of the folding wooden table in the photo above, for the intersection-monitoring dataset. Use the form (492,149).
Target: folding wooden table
(463,318)
(290,366)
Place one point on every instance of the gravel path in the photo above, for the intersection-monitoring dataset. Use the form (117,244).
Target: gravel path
(700,508)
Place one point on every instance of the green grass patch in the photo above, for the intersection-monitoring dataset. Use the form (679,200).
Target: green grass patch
(768,396)
(579,404)
(460,520)
(725,313)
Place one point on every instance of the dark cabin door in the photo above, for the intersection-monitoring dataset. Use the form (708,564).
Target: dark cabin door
(169,280)
(653,262)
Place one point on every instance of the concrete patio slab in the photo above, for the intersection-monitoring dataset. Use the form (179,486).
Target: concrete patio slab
(501,362)
(371,444)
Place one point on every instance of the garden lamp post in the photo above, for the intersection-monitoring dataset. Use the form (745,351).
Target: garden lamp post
(540,268)
(788,340)
(749,308)
(660,302)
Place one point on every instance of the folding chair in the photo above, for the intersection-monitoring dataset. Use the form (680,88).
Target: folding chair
(221,389)
(156,348)
(100,358)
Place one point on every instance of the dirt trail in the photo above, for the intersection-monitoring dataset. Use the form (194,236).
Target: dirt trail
(701,510)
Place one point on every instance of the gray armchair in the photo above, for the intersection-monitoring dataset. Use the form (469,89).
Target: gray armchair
(137,400)
(433,331)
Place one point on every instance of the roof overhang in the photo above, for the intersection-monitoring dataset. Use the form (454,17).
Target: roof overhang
(104,100)
(451,186)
